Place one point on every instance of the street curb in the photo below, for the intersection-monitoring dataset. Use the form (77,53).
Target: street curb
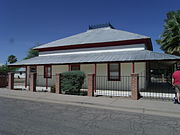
(99,106)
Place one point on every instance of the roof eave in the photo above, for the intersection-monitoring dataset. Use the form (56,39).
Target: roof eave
(100,62)
(146,41)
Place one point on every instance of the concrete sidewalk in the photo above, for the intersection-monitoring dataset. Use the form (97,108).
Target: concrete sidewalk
(162,108)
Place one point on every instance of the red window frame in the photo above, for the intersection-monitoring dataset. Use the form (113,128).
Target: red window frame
(74,65)
(46,71)
(119,72)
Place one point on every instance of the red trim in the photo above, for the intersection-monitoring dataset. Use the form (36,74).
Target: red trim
(119,77)
(95,77)
(133,68)
(46,71)
(95,68)
(69,67)
(146,41)
(46,83)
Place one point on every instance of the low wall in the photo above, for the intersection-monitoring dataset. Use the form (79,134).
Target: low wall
(3,80)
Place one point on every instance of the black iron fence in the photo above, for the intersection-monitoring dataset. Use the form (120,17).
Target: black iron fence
(44,84)
(156,87)
(20,81)
(106,87)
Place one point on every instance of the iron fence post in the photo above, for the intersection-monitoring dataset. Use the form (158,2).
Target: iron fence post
(11,80)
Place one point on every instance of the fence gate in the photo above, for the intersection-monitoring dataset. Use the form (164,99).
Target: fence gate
(106,87)
(45,84)
(20,81)
(159,87)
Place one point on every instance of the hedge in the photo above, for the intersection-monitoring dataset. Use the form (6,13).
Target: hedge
(72,81)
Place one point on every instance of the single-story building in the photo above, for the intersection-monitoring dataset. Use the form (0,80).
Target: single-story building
(111,54)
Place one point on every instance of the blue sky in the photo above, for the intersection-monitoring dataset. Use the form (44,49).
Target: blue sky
(26,23)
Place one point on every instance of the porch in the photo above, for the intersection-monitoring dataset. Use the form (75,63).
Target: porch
(106,77)
(149,85)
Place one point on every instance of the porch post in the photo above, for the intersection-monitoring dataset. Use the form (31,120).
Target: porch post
(95,77)
(33,82)
(91,84)
(69,67)
(133,68)
(26,77)
(11,80)
(135,86)
(58,83)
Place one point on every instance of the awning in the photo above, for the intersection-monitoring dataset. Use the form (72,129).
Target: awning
(103,57)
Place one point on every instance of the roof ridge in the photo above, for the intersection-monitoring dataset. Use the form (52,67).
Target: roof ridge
(97,26)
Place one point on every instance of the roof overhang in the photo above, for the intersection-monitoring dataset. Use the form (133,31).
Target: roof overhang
(105,57)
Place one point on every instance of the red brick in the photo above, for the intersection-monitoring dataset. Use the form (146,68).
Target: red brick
(58,84)
(11,80)
(91,84)
(135,86)
(32,82)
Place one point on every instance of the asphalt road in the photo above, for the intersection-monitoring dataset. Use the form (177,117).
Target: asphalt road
(21,117)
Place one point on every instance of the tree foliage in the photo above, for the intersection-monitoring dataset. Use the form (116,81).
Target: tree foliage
(12,59)
(4,69)
(170,38)
(32,53)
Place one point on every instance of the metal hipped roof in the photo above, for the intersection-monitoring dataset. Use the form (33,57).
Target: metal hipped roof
(121,56)
(99,35)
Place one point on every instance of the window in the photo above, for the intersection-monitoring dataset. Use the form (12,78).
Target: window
(114,72)
(47,71)
(75,67)
(32,69)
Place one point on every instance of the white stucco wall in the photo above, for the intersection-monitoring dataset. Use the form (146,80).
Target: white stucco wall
(124,84)
(41,81)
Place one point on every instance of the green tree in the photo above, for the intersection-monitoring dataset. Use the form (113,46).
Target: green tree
(32,53)
(170,38)
(3,69)
(12,59)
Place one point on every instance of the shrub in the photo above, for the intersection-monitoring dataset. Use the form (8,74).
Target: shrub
(71,82)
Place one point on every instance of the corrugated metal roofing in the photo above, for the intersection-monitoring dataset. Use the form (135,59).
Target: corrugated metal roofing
(94,36)
(125,56)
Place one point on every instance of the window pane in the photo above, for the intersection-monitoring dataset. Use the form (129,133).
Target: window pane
(114,71)
(33,69)
(114,67)
(47,72)
(75,67)
(114,75)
